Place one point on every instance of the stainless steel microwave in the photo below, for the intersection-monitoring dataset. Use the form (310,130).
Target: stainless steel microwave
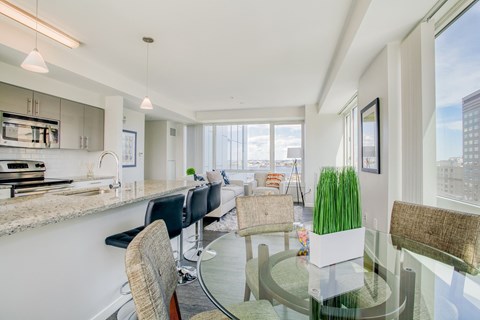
(28,132)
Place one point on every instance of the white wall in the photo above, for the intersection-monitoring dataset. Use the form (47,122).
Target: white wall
(135,121)
(195,148)
(164,154)
(257,114)
(323,146)
(381,79)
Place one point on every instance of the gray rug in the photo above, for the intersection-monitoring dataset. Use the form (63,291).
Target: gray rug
(228,222)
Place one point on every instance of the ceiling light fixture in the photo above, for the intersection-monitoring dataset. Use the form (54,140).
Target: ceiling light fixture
(25,18)
(34,61)
(146,103)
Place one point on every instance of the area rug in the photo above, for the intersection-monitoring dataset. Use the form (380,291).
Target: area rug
(228,222)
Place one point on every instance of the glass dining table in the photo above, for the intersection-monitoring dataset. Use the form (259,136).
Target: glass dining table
(395,279)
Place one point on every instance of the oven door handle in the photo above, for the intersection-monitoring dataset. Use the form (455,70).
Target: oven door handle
(37,190)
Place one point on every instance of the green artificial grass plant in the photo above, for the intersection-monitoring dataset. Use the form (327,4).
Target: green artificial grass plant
(337,203)
(190,171)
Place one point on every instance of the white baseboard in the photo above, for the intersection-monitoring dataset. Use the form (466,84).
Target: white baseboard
(110,309)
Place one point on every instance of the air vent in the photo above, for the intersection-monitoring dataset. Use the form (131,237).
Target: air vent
(173,132)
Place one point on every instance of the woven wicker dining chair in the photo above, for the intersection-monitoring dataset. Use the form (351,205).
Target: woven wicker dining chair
(262,214)
(454,232)
(152,276)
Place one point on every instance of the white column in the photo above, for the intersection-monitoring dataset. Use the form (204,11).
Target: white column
(113,133)
(418,115)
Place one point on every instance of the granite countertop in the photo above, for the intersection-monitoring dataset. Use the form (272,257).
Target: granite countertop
(23,213)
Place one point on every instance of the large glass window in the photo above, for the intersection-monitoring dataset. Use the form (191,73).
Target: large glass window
(287,136)
(457,51)
(351,136)
(258,147)
(252,147)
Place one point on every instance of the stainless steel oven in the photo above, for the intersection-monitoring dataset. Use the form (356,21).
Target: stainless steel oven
(28,132)
(27,177)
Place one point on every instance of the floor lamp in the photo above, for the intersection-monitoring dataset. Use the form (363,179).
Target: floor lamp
(295,153)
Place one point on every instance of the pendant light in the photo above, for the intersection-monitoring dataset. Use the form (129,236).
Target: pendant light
(34,61)
(146,103)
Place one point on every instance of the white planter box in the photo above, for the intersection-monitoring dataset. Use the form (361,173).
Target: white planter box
(335,247)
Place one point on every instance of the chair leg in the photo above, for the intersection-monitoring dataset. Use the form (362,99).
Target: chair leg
(174,308)
(246,295)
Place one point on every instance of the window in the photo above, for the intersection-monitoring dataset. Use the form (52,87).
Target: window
(287,136)
(351,134)
(252,147)
(458,105)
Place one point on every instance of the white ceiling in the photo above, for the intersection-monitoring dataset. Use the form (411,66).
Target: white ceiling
(216,54)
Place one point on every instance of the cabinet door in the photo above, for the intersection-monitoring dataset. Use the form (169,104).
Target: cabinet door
(93,128)
(46,106)
(16,99)
(71,125)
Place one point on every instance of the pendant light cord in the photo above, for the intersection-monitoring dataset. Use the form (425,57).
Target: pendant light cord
(36,26)
(148,44)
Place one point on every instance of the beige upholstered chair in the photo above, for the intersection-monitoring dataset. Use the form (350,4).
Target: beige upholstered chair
(454,232)
(152,275)
(260,185)
(262,214)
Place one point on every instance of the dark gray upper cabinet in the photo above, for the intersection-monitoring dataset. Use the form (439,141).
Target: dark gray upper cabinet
(27,102)
(81,126)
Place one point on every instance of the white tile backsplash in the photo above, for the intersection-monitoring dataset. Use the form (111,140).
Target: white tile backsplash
(59,162)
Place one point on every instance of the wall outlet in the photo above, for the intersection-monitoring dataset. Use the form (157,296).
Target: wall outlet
(364,218)
(375,224)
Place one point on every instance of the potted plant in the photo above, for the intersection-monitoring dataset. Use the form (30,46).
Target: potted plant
(337,234)
(190,172)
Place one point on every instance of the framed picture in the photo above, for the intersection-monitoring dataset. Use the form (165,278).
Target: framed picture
(129,148)
(370,137)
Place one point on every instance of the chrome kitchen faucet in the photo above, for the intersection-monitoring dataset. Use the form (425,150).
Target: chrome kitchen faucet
(116,183)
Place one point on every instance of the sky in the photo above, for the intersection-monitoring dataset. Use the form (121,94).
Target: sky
(457,60)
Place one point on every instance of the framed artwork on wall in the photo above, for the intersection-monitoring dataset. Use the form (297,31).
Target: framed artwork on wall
(129,148)
(370,137)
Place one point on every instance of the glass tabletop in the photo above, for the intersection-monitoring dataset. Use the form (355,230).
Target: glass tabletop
(395,279)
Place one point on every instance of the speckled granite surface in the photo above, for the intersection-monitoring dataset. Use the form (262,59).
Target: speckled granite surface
(23,213)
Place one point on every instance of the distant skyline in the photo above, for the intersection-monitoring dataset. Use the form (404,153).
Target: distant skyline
(457,59)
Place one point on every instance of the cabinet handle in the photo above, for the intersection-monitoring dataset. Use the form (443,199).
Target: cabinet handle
(29,104)
(37,107)
(81,142)
(85,142)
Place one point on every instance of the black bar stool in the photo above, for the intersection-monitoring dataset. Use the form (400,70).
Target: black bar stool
(214,199)
(169,209)
(194,211)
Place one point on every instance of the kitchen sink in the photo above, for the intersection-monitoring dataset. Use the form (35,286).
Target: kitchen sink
(86,192)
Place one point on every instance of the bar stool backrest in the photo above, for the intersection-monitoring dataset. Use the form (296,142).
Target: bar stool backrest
(214,198)
(169,209)
(196,205)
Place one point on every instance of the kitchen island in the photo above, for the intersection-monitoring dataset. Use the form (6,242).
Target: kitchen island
(55,264)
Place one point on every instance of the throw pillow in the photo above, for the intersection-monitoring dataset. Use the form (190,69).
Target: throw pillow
(198,178)
(213,176)
(274,179)
(225,178)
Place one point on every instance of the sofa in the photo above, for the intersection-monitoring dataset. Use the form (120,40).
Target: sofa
(230,191)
